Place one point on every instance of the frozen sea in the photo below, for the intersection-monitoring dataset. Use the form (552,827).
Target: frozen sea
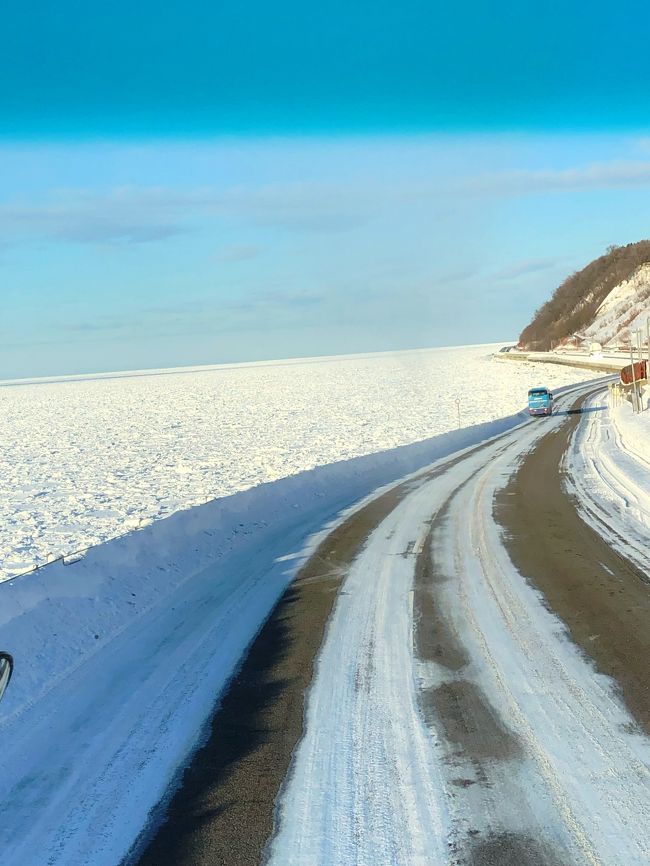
(87,459)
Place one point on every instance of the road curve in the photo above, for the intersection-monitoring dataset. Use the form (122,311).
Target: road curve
(449,718)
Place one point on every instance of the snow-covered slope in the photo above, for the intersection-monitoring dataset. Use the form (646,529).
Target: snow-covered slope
(607,289)
(626,308)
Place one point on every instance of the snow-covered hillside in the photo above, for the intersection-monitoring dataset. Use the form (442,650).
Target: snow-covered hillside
(85,461)
(604,298)
(626,308)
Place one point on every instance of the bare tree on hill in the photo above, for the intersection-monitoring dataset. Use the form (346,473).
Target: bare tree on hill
(573,304)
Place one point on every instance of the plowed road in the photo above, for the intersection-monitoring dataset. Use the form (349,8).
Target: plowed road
(458,675)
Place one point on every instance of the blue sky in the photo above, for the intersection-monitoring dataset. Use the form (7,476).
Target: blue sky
(202,66)
(197,183)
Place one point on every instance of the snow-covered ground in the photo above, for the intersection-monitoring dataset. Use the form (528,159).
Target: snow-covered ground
(86,460)
(119,656)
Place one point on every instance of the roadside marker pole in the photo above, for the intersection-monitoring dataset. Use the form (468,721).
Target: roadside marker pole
(639,340)
(635,402)
(647,327)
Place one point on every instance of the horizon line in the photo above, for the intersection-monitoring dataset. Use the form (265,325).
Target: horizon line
(226,365)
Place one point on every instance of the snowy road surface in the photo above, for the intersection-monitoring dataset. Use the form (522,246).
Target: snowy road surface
(451,718)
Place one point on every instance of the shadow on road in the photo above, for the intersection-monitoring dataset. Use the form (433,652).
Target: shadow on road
(204,819)
(582,411)
(222,813)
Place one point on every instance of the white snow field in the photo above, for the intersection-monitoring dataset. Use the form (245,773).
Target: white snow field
(82,461)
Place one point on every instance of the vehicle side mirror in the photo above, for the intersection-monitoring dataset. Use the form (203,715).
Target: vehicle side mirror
(6,669)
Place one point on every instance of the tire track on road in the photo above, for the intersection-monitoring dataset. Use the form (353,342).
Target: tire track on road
(473,721)
(222,810)
(602,598)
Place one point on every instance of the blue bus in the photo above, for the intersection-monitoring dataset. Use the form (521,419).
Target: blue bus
(540,401)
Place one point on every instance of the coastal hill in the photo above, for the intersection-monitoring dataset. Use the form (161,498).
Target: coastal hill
(603,302)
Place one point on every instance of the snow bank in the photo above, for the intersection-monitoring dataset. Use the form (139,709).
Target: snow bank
(609,470)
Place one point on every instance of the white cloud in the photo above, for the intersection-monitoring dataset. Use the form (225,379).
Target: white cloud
(135,215)
(530,266)
(604,175)
(145,214)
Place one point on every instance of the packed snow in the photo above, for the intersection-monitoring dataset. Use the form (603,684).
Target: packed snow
(86,460)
